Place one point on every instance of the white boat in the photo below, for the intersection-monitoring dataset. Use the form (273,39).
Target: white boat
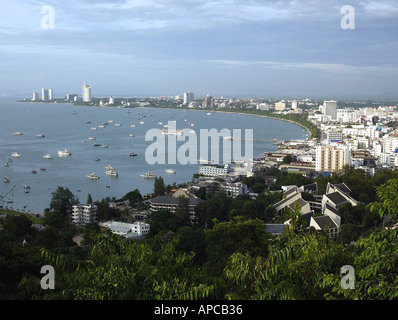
(93,128)
(48,156)
(209,113)
(91,138)
(105,146)
(40,135)
(170,171)
(132,126)
(110,121)
(92,176)
(117,124)
(18,133)
(64,153)
(112,173)
(148,175)
(101,126)
(132,135)
(172,132)
(15,155)
(142,122)
(109,167)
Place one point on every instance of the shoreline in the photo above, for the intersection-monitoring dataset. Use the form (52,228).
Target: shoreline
(240,113)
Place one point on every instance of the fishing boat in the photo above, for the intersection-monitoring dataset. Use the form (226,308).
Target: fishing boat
(148,175)
(92,176)
(112,173)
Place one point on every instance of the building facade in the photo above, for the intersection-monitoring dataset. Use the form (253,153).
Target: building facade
(86,93)
(331,159)
(84,213)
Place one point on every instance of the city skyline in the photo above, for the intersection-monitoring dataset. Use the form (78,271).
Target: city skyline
(253,48)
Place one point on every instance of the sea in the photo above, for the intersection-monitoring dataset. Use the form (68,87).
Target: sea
(49,127)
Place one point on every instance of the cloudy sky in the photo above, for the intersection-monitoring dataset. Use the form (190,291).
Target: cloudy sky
(246,48)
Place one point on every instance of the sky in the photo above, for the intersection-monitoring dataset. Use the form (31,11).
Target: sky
(229,48)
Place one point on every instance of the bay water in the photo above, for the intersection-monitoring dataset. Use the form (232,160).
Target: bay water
(66,126)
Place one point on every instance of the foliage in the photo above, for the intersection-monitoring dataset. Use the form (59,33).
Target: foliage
(62,200)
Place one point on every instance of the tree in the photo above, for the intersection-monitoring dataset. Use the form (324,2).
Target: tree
(89,199)
(159,188)
(62,200)
(387,195)
(133,196)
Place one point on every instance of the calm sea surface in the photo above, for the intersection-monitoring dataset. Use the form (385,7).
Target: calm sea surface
(65,126)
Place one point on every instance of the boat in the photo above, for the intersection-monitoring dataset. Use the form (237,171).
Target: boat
(91,138)
(170,171)
(93,128)
(6,180)
(132,126)
(148,175)
(142,122)
(110,121)
(6,164)
(26,186)
(96,145)
(133,154)
(132,135)
(34,171)
(97,159)
(109,167)
(105,146)
(64,153)
(112,173)
(40,135)
(15,155)
(101,126)
(92,176)
(171,132)
(117,124)
(42,169)
(209,113)
(18,133)
(88,121)
(48,156)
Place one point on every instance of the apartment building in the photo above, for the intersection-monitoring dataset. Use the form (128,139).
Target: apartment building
(84,213)
(331,158)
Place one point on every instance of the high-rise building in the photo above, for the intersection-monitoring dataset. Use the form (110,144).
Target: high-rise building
(188,97)
(50,94)
(35,96)
(294,104)
(330,109)
(208,102)
(44,94)
(86,93)
(331,159)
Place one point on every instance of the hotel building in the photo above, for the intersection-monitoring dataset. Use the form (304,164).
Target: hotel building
(86,93)
(331,159)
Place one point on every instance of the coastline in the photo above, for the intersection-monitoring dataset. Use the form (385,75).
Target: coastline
(240,113)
